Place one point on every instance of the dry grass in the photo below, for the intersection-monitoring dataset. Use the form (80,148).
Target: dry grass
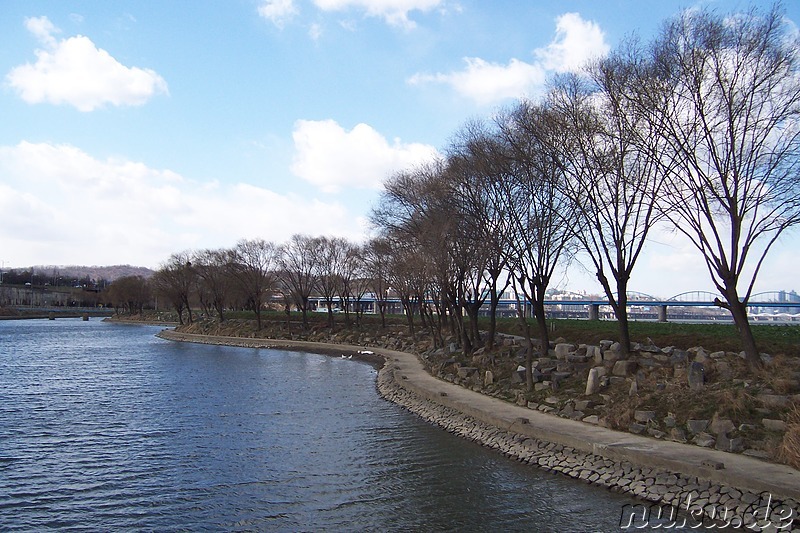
(790,447)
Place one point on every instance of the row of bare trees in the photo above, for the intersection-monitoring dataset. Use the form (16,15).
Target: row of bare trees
(257,273)
(696,130)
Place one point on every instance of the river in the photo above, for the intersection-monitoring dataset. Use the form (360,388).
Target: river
(104,426)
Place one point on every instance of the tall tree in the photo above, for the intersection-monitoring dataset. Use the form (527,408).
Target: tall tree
(176,280)
(254,266)
(214,277)
(376,268)
(613,175)
(298,269)
(330,253)
(541,235)
(472,168)
(724,95)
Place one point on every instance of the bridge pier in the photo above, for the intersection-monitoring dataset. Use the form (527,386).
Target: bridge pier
(662,313)
(594,311)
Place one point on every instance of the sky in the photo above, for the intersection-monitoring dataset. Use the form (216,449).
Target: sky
(131,130)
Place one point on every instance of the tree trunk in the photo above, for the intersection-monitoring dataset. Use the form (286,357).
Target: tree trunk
(330,315)
(382,311)
(541,321)
(493,303)
(738,310)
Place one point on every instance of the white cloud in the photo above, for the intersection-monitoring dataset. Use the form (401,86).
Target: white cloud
(485,82)
(60,205)
(74,71)
(315,31)
(330,157)
(42,29)
(577,41)
(277,11)
(394,12)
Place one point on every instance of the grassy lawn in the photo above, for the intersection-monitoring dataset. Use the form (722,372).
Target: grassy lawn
(771,339)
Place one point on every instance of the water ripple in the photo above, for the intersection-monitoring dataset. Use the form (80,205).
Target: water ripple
(103,426)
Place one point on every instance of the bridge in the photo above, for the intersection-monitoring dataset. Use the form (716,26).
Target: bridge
(761,306)
(774,300)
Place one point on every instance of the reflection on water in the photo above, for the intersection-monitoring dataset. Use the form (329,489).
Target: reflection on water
(103,426)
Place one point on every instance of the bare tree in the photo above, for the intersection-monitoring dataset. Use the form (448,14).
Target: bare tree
(472,168)
(130,293)
(353,285)
(724,95)
(254,266)
(330,253)
(214,276)
(176,280)
(298,269)
(541,235)
(376,269)
(613,175)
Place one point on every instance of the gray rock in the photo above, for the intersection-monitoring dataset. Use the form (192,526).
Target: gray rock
(677,434)
(773,400)
(582,405)
(563,349)
(722,426)
(558,377)
(696,426)
(678,357)
(637,429)
(696,375)
(592,419)
(592,382)
(773,425)
(726,444)
(634,390)
(466,371)
(624,368)
(701,356)
(724,370)
(704,440)
(644,416)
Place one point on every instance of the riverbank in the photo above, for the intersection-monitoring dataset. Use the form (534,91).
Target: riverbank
(738,489)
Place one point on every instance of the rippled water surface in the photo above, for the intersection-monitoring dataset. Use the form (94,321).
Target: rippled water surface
(106,427)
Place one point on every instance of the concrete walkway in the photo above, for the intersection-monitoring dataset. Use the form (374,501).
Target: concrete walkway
(739,471)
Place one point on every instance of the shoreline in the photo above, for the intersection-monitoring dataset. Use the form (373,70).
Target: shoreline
(697,481)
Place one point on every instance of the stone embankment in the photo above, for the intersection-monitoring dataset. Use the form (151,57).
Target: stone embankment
(705,486)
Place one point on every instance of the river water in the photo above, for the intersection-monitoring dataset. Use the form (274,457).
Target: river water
(105,427)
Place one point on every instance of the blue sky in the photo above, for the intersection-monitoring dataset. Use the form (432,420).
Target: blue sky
(134,129)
